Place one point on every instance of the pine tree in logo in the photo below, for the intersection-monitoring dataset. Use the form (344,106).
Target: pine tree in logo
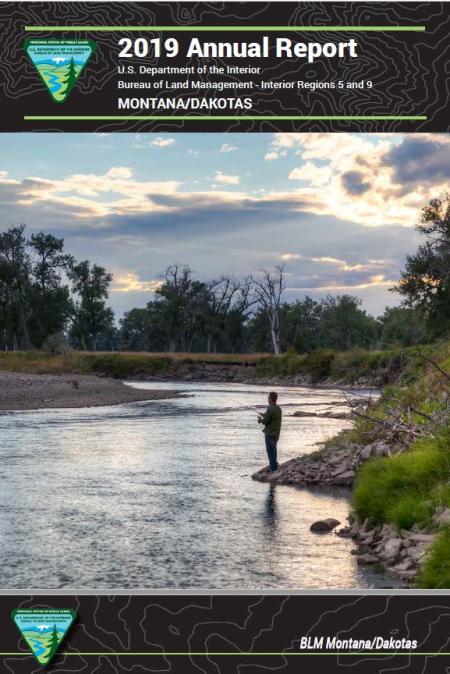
(54,643)
(71,77)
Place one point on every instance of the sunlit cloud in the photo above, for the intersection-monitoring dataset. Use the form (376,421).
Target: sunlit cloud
(288,257)
(226,179)
(376,281)
(162,142)
(130,282)
(371,180)
(227,147)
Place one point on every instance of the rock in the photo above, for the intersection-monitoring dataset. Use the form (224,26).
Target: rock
(367,559)
(345,532)
(340,415)
(381,449)
(366,452)
(388,531)
(422,538)
(417,554)
(368,538)
(345,478)
(342,468)
(408,575)
(406,565)
(327,524)
(442,518)
(391,549)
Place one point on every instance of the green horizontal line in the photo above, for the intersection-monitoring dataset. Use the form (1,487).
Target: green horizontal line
(203,118)
(222,29)
(237,654)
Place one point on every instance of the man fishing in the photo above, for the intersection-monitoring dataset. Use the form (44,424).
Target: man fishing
(271,421)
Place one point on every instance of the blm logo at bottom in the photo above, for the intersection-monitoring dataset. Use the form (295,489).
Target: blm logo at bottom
(43,630)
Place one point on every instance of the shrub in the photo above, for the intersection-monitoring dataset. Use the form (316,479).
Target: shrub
(319,364)
(398,488)
(435,572)
(56,345)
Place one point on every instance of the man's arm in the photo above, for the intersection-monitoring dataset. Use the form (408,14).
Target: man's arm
(265,418)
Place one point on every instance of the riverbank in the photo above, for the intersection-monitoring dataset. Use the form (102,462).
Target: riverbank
(396,458)
(320,368)
(19,391)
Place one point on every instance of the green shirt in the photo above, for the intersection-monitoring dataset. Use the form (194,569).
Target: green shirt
(272,421)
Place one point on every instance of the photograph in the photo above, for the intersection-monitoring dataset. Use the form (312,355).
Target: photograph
(224,361)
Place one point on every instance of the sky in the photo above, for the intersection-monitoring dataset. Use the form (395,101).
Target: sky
(338,210)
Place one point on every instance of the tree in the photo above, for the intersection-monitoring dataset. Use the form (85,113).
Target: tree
(92,318)
(402,327)
(15,279)
(425,281)
(344,325)
(137,329)
(300,324)
(268,290)
(71,76)
(54,643)
(51,305)
(180,303)
(220,296)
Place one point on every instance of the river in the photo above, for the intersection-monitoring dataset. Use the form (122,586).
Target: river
(159,495)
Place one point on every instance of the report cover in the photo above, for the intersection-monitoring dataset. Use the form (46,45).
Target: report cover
(224,336)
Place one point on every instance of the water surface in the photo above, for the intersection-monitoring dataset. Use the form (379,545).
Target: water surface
(159,495)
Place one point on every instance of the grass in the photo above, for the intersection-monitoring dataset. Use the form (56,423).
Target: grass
(348,367)
(435,573)
(400,489)
(318,366)
(120,365)
(406,489)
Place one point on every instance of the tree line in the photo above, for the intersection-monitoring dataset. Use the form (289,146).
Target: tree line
(49,300)
(45,293)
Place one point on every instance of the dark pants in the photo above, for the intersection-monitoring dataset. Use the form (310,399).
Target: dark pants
(271,447)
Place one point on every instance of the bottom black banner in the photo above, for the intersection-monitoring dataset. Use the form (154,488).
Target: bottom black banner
(218,633)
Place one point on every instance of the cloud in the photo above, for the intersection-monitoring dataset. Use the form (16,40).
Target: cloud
(355,183)
(226,179)
(227,147)
(89,195)
(376,179)
(420,159)
(316,175)
(377,281)
(274,154)
(288,257)
(130,282)
(162,142)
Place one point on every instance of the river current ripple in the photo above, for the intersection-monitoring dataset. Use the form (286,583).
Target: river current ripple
(159,495)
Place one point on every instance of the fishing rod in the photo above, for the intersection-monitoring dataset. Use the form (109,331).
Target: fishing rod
(247,407)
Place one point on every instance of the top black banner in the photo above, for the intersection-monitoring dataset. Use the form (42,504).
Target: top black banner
(310,66)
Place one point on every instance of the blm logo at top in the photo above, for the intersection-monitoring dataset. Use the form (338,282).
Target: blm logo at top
(59,63)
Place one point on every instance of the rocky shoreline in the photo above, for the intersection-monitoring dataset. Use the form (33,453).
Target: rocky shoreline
(398,553)
(330,466)
(19,391)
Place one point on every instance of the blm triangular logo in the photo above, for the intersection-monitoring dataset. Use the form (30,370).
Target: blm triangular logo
(59,63)
(43,629)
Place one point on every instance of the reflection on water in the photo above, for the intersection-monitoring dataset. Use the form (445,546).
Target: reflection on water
(159,494)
